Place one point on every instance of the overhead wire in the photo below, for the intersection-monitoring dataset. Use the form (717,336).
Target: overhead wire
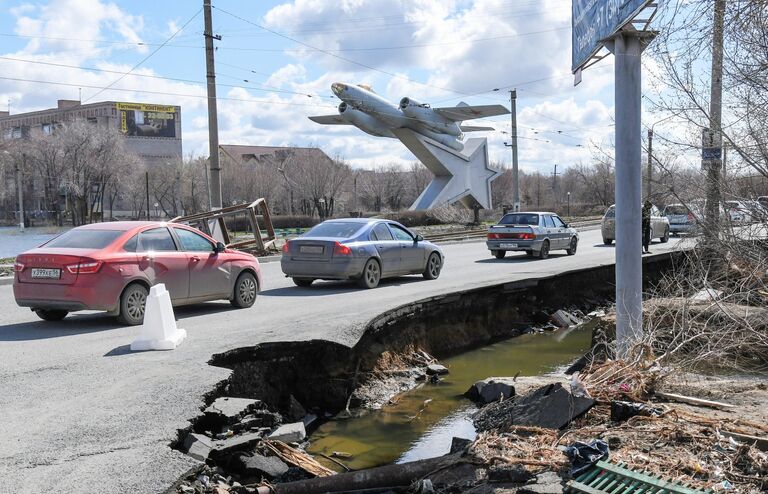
(136,66)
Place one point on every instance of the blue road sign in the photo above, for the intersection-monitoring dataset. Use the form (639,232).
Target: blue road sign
(595,20)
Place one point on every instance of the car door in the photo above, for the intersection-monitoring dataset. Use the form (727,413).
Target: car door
(551,232)
(388,249)
(161,262)
(411,254)
(563,235)
(209,272)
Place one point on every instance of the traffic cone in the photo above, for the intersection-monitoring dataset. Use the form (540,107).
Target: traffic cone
(159,331)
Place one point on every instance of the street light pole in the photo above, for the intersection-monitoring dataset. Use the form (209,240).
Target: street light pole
(568,194)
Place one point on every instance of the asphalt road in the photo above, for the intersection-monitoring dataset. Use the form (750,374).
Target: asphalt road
(79,412)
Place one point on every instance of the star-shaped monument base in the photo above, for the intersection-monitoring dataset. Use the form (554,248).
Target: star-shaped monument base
(460,176)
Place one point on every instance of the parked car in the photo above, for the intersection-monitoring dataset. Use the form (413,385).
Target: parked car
(659,225)
(535,233)
(361,249)
(738,211)
(681,219)
(111,266)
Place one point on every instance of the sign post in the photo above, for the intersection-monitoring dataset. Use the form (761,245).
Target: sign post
(609,24)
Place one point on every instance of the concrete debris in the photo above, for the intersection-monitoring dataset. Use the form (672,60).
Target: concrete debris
(289,433)
(243,442)
(257,466)
(227,410)
(552,407)
(546,483)
(198,446)
(436,370)
(295,410)
(565,319)
(516,474)
(491,389)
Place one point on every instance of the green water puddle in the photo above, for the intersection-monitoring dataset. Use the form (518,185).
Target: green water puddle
(422,421)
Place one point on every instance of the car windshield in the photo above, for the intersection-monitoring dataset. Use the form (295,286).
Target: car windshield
(520,219)
(676,209)
(336,229)
(611,213)
(84,239)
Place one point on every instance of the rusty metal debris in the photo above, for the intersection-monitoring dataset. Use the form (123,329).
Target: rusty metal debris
(214,224)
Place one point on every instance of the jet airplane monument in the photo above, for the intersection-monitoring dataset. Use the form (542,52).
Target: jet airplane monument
(433,135)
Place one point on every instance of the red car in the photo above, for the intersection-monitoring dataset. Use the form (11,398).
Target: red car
(110,266)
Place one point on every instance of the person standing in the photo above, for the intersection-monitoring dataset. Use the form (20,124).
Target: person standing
(647,226)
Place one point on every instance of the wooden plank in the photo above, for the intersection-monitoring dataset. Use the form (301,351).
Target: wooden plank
(694,401)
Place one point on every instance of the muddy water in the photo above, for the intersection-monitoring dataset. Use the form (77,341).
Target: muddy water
(423,421)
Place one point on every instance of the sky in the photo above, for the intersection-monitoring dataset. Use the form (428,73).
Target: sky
(276,60)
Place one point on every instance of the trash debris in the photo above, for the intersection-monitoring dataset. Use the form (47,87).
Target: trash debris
(565,319)
(578,389)
(706,295)
(297,458)
(623,410)
(583,455)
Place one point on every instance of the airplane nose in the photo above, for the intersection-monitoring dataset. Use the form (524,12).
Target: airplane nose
(338,88)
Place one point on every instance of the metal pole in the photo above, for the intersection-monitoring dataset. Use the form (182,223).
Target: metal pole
(626,47)
(146,181)
(515,175)
(213,125)
(569,204)
(20,190)
(649,170)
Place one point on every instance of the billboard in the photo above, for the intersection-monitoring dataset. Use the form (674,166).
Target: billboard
(142,120)
(594,20)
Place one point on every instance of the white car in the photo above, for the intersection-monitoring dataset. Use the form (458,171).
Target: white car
(659,225)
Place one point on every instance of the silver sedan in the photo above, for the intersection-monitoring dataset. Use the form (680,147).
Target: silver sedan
(365,250)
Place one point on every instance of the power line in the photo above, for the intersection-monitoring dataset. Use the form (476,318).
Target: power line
(163,93)
(145,58)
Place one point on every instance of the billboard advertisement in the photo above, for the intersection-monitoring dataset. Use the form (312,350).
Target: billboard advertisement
(594,20)
(142,120)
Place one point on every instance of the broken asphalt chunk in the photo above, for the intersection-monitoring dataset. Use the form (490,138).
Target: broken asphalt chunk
(491,389)
(289,433)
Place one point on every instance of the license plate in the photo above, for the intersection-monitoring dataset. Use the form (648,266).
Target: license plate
(508,246)
(311,249)
(53,274)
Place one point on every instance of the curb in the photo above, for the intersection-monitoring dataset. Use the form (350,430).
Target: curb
(6,280)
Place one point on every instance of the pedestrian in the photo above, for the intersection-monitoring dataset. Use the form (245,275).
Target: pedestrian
(647,226)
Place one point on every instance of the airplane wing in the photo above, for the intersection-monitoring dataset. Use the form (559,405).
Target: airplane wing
(466,112)
(474,128)
(330,120)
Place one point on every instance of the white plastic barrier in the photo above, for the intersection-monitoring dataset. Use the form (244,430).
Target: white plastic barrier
(159,331)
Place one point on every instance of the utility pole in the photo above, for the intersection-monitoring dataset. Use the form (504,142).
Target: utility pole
(146,182)
(712,139)
(515,175)
(554,185)
(20,190)
(649,170)
(538,190)
(213,124)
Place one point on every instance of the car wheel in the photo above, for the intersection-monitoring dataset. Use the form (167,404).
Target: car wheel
(571,250)
(51,314)
(665,238)
(607,241)
(303,281)
(432,270)
(544,251)
(371,274)
(499,254)
(246,290)
(132,304)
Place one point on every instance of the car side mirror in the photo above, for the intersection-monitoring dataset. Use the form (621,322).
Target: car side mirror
(566,225)
(419,238)
(220,247)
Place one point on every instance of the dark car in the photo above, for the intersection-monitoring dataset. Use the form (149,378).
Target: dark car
(111,266)
(365,250)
